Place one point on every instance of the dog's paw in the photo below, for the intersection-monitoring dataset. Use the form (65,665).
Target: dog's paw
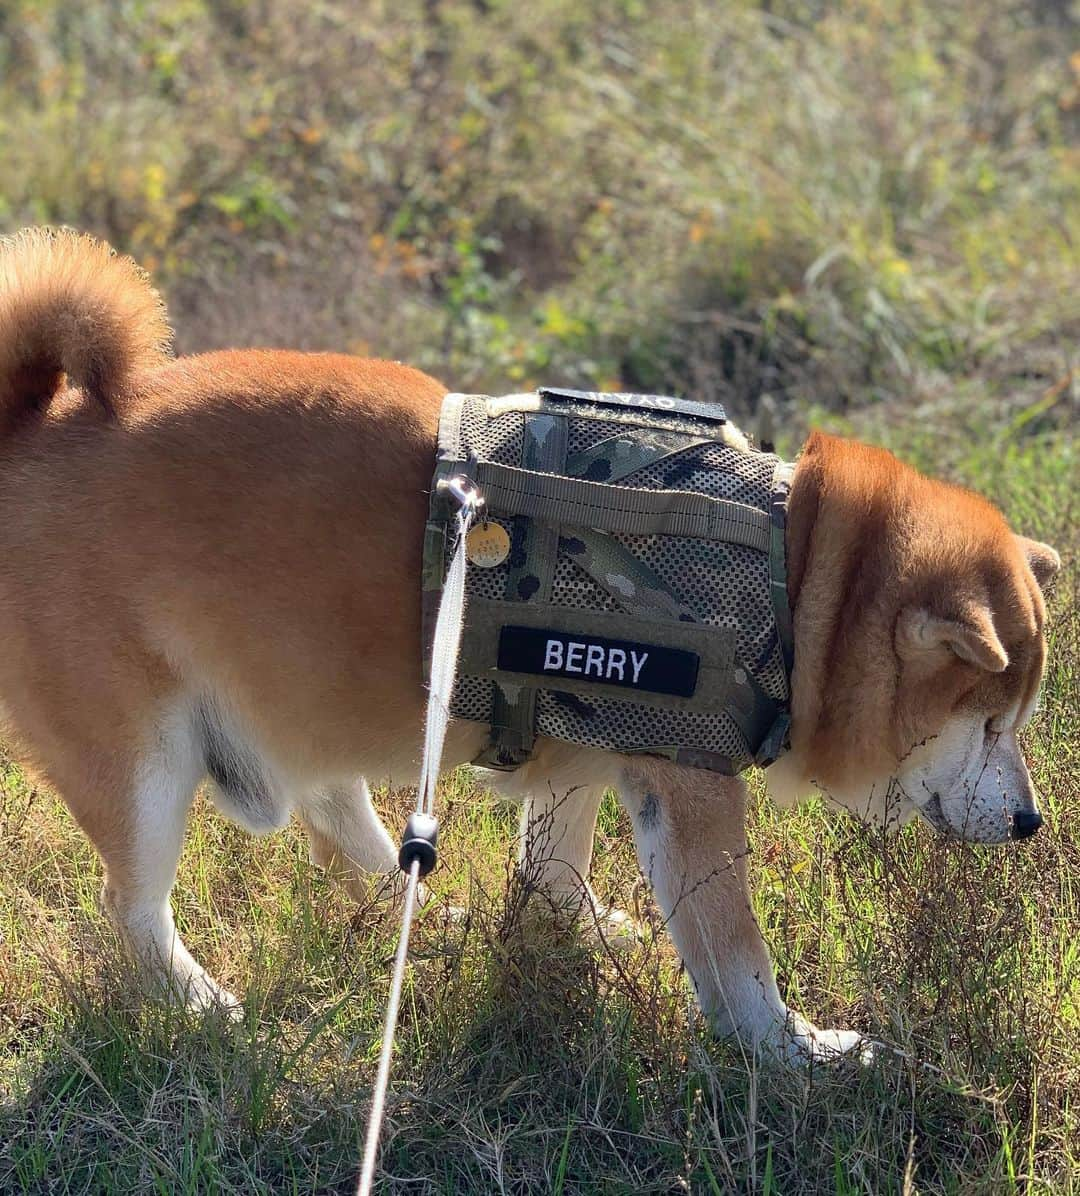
(580,913)
(802,1043)
(440,910)
(611,928)
(204,997)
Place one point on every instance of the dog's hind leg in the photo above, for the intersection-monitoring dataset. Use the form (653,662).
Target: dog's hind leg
(140,845)
(347,837)
(139,880)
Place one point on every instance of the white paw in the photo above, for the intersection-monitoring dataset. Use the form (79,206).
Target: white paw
(612,928)
(453,915)
(204,996)
(609,928)
(803,1043)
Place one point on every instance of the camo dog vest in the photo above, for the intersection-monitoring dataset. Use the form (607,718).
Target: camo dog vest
(638,598)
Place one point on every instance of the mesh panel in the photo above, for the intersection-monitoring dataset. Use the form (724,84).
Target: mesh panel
(713,469)
(472,699)
(573,588)
(721,582)
(609,722)
(498,439)
(584,433)
(756,466)
(728,586)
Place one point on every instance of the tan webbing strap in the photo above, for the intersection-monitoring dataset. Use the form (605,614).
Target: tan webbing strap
(533,556)
(579,503)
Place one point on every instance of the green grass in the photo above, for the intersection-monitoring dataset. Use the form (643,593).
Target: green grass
(863,213)
(846,201)
(537,1061)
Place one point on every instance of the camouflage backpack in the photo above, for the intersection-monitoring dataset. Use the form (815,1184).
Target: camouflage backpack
(638,600)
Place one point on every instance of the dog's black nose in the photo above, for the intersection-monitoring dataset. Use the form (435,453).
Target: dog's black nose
(1025,823)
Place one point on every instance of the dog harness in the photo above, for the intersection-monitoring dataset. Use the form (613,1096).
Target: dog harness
(628,590)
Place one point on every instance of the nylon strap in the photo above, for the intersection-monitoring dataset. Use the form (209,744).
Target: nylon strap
(580,503)
(534,548)
(776,738)
(778,501)
(448,627)
(619,456)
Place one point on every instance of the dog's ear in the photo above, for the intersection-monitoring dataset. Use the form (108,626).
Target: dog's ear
(1041,558)
(970,635)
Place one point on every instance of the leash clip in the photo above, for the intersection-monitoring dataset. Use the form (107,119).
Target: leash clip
(463,490)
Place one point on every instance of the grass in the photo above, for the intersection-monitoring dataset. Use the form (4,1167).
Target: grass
(541,1062)
(864,200)
(861,213)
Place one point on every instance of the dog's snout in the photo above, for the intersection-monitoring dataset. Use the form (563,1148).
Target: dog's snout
(1025,823)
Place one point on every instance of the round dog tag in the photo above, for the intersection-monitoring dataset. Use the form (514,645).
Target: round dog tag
(487,545)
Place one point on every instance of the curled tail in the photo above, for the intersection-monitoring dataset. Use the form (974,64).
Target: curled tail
(72,312)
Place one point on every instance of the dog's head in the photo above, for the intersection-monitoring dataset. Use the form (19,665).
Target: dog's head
(919,647)
(967,776)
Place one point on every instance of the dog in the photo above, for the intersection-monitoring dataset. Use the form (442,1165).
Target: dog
(210,566)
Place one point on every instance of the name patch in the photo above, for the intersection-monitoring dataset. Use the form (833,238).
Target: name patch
(647,667)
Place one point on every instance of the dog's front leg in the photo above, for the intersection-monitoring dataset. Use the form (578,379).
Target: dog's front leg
(560,791)
(555,846)
(690,833)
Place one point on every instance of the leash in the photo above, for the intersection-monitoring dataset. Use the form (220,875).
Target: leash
(420,841)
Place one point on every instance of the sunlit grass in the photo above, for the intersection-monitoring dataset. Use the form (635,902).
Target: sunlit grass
(821,203)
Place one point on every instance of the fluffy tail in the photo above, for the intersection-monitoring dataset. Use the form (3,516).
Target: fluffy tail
(72,311)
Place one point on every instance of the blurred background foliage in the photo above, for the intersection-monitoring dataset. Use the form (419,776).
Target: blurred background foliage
(824,203)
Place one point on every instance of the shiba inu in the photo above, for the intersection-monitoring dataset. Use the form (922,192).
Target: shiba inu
(210,566)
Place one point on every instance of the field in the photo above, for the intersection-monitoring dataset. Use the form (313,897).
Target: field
(861,215)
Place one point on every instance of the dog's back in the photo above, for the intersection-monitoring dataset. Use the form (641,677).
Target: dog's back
(204,535)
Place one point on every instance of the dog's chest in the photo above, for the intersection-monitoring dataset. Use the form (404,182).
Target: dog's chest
(629,591)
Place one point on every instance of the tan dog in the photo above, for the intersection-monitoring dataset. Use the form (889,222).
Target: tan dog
(212,566)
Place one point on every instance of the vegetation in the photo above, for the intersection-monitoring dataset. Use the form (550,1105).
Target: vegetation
(864,213)
(870,199)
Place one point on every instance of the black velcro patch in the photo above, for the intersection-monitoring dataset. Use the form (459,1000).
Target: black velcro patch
(657,403)
(631,664)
